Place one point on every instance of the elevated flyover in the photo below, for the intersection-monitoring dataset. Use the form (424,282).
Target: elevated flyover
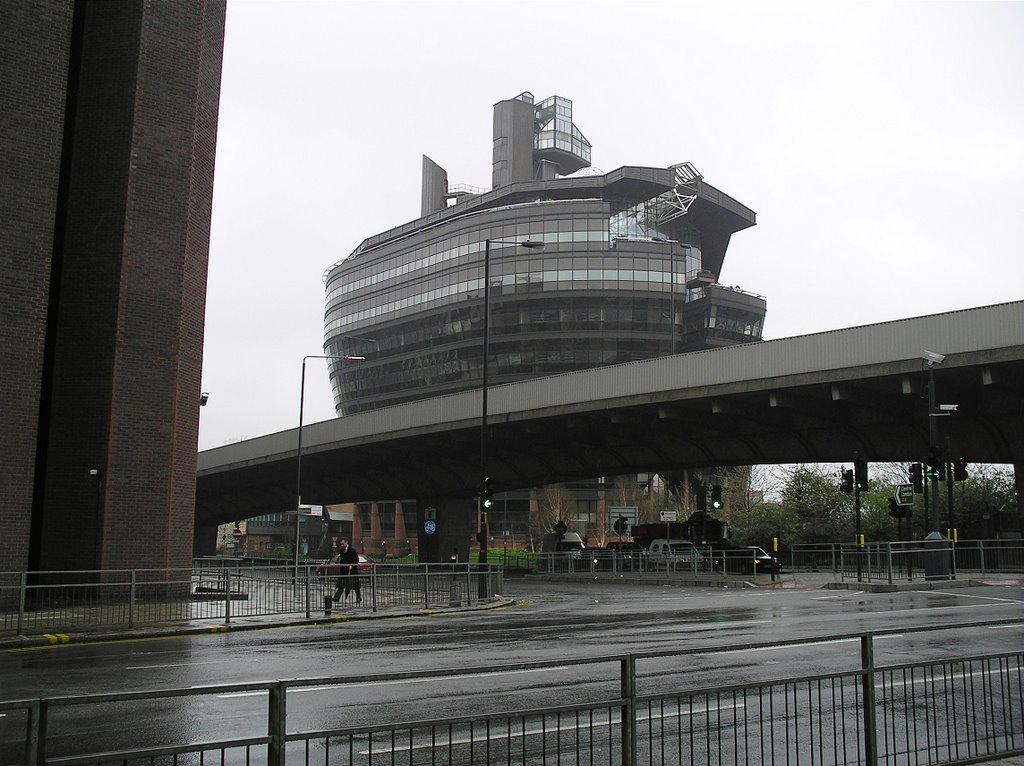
(811,398)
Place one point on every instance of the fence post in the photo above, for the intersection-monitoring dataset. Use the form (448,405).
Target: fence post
(373,587)
(309,594)
(426,585)
(888,561)
(981,555)
(627,684)
(867,663)
(131,601)
(22,595)
(227,597)
(277,730)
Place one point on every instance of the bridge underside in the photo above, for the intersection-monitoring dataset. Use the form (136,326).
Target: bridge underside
(876,412)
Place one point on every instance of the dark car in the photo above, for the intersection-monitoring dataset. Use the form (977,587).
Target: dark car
(760,562)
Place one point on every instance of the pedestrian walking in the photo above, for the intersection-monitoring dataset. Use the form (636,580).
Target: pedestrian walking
(349,572)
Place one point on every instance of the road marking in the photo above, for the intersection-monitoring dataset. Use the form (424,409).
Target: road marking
(178,665)
(969,595)
(595,723)
(404,681)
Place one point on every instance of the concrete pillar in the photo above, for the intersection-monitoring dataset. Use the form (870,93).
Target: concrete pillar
(204,540)
(357,528)
(400,533)
(375,534)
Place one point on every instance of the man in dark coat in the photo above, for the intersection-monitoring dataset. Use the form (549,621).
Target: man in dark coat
(349,573)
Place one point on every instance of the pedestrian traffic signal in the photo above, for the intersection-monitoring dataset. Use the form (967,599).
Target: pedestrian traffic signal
(716,497)
(917,477)
(960,469)
(860,474)
(487,493)
(846,480)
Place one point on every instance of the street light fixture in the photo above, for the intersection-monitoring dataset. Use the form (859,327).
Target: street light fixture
(481,525)
(298,449)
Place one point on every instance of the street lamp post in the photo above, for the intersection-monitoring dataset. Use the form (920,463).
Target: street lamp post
(672,286)
(481,522)
(298,449)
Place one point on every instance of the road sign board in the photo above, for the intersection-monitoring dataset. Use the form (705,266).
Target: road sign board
(905,494)
(236,533)
(668,515)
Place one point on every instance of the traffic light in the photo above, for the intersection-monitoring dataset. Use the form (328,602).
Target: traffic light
(917,477)
(702,497)
(936,468)
(487,494)
(896,510)
(860,473)
(960,469)
(716,497)
(846,480)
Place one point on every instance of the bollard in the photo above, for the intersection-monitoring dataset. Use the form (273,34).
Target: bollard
(327,605)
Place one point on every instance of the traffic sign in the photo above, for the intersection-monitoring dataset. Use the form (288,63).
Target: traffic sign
(668,515)
(905,494)
(430,526)
(236,533)
(621,525)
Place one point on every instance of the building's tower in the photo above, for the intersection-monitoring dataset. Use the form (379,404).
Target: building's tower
(110,114)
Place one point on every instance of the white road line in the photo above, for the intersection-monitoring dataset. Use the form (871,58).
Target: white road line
(536,732)
(403,681)
(178,665)
(970,595)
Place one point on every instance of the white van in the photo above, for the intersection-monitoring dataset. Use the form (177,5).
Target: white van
(571,541)
(679,555)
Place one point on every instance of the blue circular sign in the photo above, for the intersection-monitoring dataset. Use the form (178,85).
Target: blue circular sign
(430,526)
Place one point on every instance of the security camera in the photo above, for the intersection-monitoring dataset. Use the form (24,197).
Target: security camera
(205,397)
(933,358)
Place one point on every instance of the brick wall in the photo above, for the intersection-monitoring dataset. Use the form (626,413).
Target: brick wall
(129,286)
(34,43)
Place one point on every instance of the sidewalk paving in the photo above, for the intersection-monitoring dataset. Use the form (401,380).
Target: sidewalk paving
(103,633)
(786,581)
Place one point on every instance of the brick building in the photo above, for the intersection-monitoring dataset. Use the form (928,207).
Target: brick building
(108,122)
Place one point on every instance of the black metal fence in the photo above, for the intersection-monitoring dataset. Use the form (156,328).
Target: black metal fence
(36,602)
(892,562)
(622,710)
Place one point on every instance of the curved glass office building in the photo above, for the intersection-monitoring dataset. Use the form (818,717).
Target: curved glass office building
(628,270)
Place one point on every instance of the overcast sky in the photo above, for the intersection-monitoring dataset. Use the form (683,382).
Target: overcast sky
(881,145)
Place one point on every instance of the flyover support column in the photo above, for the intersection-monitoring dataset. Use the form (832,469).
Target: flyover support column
(204,540)
(1018,474)
(454,524)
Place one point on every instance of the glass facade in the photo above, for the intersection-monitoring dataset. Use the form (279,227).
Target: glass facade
(606,288)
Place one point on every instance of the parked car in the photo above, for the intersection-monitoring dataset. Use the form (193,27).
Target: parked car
(681,555)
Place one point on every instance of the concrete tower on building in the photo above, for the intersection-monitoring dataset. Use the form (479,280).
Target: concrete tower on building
(109,123)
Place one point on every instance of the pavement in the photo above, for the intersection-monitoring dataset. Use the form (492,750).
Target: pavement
(790,580)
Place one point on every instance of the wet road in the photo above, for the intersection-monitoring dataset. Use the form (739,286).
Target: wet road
(558,622)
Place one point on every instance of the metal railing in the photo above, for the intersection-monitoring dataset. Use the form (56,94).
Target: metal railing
(706,559)
(621,710)
(908,558)
(34,602)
